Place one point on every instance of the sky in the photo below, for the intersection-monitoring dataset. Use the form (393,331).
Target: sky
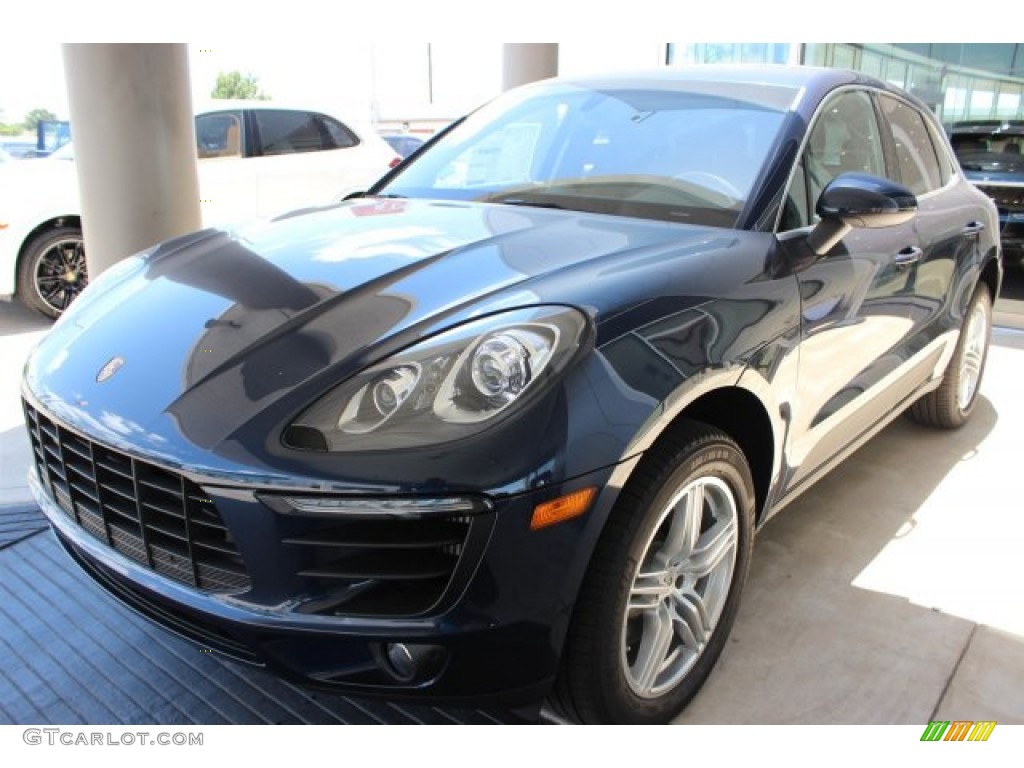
(380,80)
(42,86)
(322,52)
(290,72)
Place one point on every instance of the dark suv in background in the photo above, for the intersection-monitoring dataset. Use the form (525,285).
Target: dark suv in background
(989,152)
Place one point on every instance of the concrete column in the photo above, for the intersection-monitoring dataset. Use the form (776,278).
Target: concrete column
(135,146)
(525,62)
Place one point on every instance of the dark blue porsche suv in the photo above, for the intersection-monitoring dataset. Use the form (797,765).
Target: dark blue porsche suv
(501,429)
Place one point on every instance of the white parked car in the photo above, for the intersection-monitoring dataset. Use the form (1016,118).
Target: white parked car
(257,159)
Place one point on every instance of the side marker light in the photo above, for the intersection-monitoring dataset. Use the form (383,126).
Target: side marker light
(561,509)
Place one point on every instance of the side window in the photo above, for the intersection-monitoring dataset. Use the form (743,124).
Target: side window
(219,135)
(340,136)
(285,132)
(843,139)
(915,153)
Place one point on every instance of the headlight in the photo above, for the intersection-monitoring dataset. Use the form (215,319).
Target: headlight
(448,386)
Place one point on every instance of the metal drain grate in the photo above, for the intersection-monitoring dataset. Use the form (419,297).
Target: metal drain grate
(74,655)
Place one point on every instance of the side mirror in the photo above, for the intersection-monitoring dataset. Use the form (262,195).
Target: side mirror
(858,200)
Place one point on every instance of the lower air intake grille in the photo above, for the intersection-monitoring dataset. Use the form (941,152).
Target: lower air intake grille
(148,514)
(376,567)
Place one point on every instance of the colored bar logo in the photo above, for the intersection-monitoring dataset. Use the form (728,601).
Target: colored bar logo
(958,730)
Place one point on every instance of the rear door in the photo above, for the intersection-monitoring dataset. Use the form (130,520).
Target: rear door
(951,220)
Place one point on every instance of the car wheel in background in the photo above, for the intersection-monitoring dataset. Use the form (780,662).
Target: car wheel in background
(664,584)
(951,404)
(51,271)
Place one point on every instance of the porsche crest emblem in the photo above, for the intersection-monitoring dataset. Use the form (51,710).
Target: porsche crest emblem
(113,366)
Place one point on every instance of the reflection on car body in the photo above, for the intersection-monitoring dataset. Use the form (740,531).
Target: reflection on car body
(502,429)
(255,159)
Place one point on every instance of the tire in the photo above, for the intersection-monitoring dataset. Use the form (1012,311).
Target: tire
(51,270)
(951,405)
(648,626)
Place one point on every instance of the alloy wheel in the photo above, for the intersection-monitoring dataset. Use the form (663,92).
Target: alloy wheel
(60,273)
(976,341)
(680,587)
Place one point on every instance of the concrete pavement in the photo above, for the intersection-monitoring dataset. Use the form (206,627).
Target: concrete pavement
(889,593)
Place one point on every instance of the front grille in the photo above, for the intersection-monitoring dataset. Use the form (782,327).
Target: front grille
(152,516)
(381,567)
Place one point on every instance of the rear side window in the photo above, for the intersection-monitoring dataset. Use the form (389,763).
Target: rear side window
(915,152)
(284,132)
(339,134)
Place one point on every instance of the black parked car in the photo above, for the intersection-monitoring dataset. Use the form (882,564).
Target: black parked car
(989,152)
(503,428)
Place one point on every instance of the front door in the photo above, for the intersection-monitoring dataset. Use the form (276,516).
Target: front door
(858,302)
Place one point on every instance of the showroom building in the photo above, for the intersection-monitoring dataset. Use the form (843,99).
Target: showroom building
(960,81)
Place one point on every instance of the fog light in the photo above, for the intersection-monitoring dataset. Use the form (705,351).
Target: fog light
(413,662)
(402,663)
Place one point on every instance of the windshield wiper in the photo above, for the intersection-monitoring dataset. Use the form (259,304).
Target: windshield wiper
(526,203)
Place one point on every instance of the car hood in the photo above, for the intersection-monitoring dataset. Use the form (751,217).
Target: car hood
(196,338)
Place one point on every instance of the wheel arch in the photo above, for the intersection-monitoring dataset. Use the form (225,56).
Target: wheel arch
(741,415)
(729,405)
(992,277)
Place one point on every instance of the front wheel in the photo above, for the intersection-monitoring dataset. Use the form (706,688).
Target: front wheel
(664,585)
(951,404)
(51,271)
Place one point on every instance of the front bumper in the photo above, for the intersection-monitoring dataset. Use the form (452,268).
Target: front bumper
(492,636)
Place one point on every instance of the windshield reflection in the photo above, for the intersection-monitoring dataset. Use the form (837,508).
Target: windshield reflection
(681,155)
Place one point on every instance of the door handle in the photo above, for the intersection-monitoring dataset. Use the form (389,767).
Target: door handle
(909,255)
(974,228)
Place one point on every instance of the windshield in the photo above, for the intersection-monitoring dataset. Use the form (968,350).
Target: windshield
(687,152)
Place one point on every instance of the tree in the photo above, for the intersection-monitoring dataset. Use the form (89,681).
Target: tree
(32,118)
(235,85)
